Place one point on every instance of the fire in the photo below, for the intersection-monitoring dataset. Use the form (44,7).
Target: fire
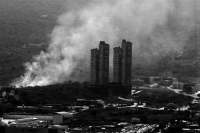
(142,22)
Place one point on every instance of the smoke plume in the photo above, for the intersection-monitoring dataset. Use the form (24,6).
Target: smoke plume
(154,27)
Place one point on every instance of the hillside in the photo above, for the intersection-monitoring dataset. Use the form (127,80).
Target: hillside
(161,97)
(69,92)
(25,26)
(27,21)
(66,93)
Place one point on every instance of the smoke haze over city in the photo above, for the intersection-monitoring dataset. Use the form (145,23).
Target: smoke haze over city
(154,27)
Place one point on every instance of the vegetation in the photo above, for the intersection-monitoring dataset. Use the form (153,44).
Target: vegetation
(66,94)
(161,97)
(23,23)
(69,92)
(26,22)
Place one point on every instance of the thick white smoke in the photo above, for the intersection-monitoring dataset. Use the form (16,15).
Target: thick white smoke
(153,26)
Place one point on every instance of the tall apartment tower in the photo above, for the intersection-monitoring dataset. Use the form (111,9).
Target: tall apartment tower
(126,62)
(122,63)
(94,66)
(103,63)
(100,64)
(117,65)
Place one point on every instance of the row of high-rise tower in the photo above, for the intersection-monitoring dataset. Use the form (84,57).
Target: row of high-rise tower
(122,64)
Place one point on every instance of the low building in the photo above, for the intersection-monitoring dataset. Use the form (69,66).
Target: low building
(166,82)
(177,85)
(51,129)
(151,80)
(198,87)
(157,80)
(148,80)
(54,119)
(25,120)
(189,88)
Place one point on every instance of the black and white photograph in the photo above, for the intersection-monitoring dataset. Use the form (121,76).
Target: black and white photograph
(99,66)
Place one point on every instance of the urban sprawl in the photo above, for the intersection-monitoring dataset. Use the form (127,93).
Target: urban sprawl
(125,105)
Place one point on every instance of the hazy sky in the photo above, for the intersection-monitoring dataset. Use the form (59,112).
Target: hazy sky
(155,27)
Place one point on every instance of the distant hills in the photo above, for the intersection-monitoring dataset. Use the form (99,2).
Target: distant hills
(24,24)
(184,65)
(27,21)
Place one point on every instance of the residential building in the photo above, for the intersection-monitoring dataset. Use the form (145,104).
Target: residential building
(94,66)
(100,64)
(117,65)
(122,63)
(103,63)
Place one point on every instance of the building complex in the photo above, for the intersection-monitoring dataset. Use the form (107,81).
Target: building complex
(100,64)
(122,63)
